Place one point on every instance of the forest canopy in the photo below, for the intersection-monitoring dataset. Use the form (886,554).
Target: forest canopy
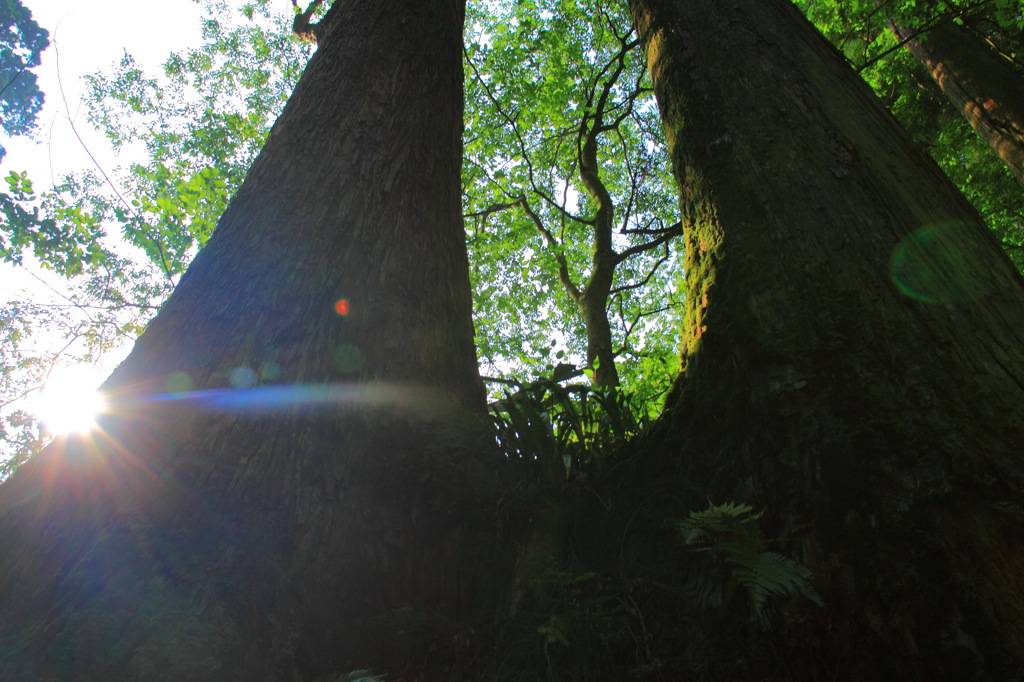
(569,207)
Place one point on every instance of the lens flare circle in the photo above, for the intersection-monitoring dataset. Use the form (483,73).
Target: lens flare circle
(946,263)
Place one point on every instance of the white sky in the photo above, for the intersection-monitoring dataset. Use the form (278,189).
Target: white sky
(87,36)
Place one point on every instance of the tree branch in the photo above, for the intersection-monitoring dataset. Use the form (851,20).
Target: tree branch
(645,280)
(303,27)
(669,233)
(556,248)
(514,127)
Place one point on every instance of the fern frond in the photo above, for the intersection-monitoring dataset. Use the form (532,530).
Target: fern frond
(768,574)
(731,532)
(709,524)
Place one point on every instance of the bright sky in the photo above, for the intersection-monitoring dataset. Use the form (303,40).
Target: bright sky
(86,36)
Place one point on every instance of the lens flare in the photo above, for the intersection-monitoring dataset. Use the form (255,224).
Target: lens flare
(946,263)
(347,358)
(269,399)
(179,382)
(242,377)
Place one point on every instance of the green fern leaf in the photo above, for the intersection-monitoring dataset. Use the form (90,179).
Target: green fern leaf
(731,531)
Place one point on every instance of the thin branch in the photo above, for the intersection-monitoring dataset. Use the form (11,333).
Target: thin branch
(499,380)
(67,109)
(877,9)
(645,280)
(624,348)
(630,102)
(646,230)
(981,35)
(937,20)
(493,208)
(514,127)
(626,327)
(673,231)
(21,396)
(556,249)
(55,292)
(903,40)
(24,67)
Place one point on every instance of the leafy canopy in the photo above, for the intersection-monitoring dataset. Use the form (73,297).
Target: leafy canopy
(566,181)
(21,43)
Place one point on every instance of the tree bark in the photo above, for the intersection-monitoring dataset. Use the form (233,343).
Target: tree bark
(852,359)
(985,89)
(593,300)
(293,465)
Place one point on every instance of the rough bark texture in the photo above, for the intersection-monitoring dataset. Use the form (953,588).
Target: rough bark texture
(982,86)
(853,359)
(291,472)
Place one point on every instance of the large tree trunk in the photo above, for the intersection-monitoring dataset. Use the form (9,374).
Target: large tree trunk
(293,467)
(982,86)
(853,360)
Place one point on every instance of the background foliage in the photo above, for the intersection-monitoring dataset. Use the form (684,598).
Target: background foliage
(22,40)
(564,164)
(862,31)
(544,78)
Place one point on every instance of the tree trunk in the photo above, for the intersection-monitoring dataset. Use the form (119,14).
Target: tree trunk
(983,87)
(852,353)
(593,300)
(293,465)
(593,307)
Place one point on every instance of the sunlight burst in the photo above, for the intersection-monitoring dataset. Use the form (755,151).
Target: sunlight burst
(68,403)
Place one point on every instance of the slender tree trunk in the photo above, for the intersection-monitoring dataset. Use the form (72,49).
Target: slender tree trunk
(983,87)
(600,353)
(593,300)
(292,468)
(852,359)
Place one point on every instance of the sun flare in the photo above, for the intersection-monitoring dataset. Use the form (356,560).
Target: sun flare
(68,403)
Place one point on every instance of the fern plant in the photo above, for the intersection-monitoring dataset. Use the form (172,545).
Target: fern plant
(732,532)
(565,428)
